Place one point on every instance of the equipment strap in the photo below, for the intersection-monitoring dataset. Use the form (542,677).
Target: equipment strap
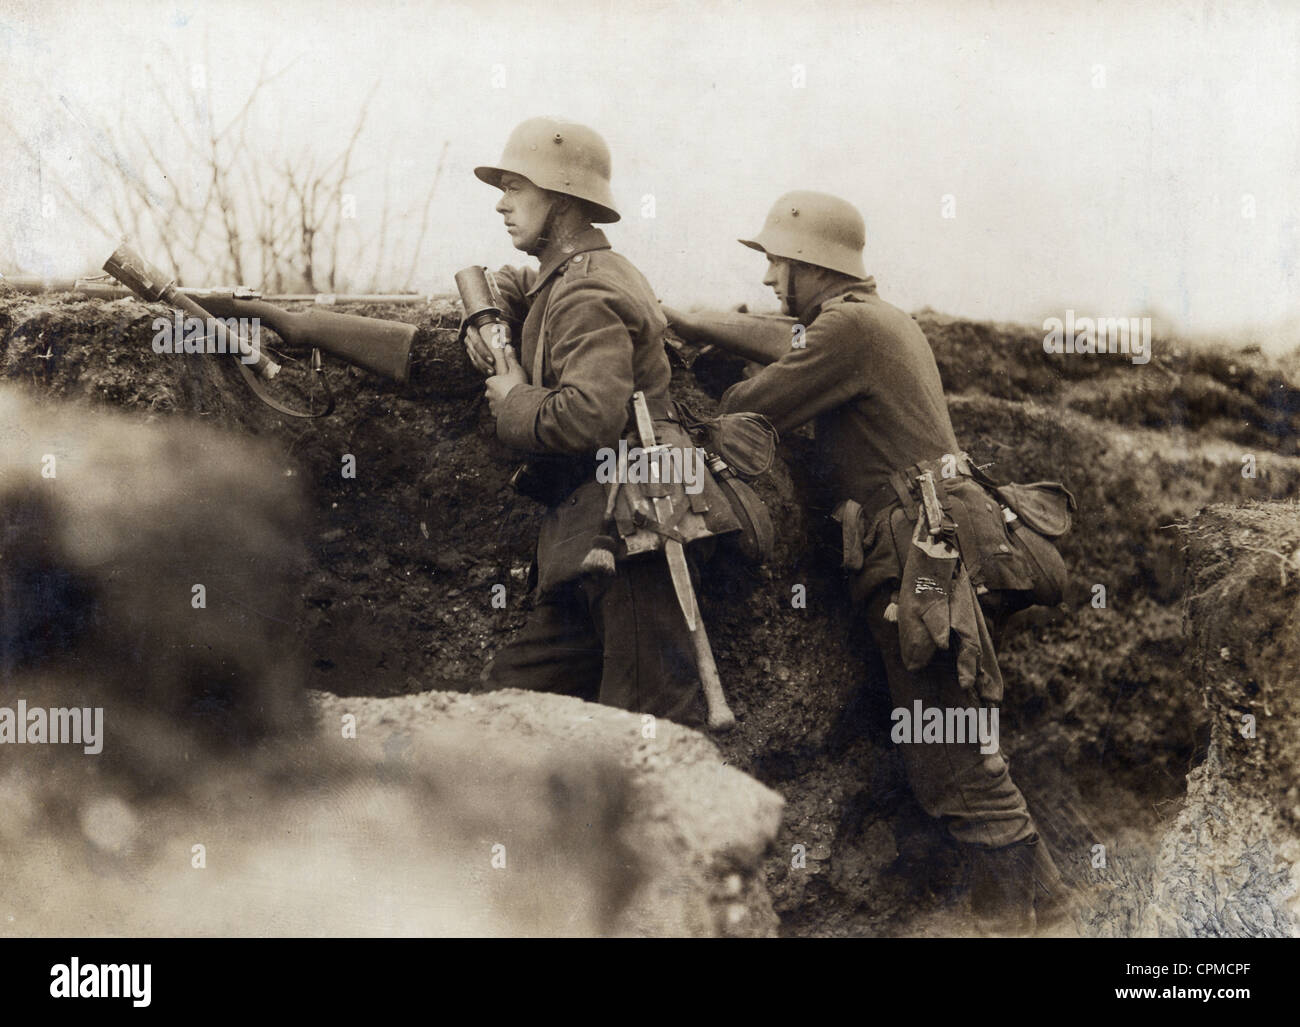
(251,381)
(539,354)
(670,530)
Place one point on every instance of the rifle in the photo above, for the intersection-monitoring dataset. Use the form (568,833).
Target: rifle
(382,347)
(98,288)
(762,338)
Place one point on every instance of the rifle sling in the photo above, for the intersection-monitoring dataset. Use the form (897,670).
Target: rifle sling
(251,380)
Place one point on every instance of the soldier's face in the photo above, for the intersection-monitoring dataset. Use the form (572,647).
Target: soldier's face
(778,280)
(524,207)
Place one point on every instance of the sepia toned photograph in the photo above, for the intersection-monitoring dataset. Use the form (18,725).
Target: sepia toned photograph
(649,470)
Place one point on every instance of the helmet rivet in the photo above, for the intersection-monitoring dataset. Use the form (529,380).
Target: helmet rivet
(794,212)
(559,138)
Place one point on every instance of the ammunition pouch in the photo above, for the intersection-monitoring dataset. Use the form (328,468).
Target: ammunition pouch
(1004,533)
(549,479)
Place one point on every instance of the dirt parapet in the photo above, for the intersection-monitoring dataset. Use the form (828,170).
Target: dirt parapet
(1228,866)
(402,561)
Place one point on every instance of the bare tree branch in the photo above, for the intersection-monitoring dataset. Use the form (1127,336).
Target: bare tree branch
(424,218)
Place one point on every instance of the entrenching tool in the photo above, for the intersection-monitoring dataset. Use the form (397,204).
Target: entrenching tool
(720,716)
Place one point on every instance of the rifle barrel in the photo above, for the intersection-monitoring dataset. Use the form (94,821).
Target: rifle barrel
(34,285)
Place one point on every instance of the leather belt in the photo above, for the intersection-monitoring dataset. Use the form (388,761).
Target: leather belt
(875,501)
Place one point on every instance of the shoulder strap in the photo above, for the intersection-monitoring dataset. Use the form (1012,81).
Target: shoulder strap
(539,354)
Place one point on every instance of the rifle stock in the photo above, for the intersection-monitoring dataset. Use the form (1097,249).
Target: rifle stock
(371,343)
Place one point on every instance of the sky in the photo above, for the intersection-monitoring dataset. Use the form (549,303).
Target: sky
(1011,160)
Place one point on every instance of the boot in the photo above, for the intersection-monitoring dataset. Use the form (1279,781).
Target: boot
(1001,895)
(1017,888)
(1054,900)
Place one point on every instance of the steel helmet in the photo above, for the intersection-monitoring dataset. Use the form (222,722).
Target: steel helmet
(815,228)
(561,156)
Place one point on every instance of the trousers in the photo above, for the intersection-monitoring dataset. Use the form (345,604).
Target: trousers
(971,791)
(619,640)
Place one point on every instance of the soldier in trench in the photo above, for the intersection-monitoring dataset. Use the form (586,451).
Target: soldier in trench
(590,334)
(863,372)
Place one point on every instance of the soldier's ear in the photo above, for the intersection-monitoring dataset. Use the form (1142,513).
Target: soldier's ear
(562,202)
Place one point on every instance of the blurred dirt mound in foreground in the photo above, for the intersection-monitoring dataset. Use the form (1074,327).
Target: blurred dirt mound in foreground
(437,824)
(682,836)
(146,569)
(214,799)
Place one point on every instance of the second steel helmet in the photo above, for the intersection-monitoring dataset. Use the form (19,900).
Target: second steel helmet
(561,156)
(815,228)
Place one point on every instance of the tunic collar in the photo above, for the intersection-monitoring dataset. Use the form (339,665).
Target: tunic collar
(553,256)
(814,306)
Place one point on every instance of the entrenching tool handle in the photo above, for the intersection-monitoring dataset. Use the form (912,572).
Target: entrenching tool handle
(483,310)
(720,716)
(680,572)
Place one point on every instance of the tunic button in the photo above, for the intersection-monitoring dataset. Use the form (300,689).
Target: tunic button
(1003,547)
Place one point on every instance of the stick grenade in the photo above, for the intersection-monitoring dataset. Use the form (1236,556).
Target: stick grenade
(482,305)
(151,285)
(720,716)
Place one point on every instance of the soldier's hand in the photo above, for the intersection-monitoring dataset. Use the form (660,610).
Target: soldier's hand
(680,322)
(675,317)
(480,349)
(499,385)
